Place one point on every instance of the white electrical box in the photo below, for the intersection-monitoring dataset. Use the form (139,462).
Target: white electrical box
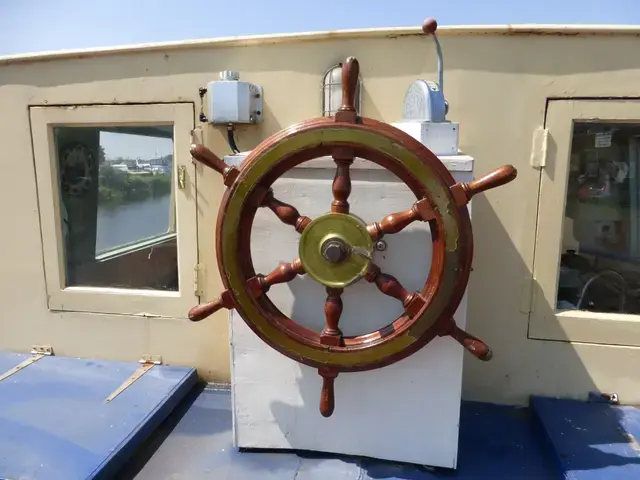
(439,137)
(234,102)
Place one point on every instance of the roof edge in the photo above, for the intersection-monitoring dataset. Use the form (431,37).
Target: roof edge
(272,39)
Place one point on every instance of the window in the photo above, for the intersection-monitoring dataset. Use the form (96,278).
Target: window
(600,260)
(587,262)
(116,199)
(118,221)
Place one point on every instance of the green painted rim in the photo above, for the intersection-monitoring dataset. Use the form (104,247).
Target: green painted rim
(257,166)
(353,232)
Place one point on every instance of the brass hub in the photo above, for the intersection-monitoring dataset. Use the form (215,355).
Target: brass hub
(336,249)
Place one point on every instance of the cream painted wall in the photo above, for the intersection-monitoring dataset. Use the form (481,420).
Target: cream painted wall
(497,86)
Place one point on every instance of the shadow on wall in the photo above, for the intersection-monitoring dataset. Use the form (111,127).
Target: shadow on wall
(520,367)
(585,452)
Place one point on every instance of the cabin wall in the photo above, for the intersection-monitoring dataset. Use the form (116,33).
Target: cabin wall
(497,87)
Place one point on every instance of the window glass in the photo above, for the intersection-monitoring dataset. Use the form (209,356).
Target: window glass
(600,262)
(117,206)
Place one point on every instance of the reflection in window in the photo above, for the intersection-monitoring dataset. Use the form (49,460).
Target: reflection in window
(117,206)
(600,263)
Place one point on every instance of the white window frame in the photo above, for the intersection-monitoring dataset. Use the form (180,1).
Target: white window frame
(545,322)
(116,300)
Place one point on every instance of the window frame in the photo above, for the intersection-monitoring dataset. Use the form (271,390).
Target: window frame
(545,322)
(111,300)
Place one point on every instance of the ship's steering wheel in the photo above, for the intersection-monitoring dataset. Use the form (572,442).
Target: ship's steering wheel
(336,248)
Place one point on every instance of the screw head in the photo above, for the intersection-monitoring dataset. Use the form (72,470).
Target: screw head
(381,245)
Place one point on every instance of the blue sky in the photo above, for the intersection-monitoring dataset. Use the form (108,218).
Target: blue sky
(134,146)
(39,25)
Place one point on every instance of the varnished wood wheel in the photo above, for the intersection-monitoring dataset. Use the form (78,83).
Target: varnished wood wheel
(336,248)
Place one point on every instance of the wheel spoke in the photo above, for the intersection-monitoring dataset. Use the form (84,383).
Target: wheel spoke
(342,181)
(331,334)
(463,191)
(396,222)
(211,160)
(287,214)
(200,312)
(258,285)
(472,344)
(389,285)
(327,395)
(350,73)
(281,274)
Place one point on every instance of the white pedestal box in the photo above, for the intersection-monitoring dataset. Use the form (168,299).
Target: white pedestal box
(406,412)
(439,137)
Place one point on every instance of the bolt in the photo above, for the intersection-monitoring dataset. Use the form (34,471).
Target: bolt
(381,245)
(334,250)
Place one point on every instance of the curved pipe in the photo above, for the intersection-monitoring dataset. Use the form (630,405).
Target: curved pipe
(623,295)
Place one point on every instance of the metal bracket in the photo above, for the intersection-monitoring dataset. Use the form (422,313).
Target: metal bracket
(182,174)
(197,137)
(24,364)
(144,368)
(147,363)
(610,398)
(155,359)
(539,148)
(42,350)
(198,273)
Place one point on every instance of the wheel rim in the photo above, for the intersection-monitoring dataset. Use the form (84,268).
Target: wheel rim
(419,169)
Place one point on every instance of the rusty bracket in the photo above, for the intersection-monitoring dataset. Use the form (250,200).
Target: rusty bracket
(147,362)
(24,364)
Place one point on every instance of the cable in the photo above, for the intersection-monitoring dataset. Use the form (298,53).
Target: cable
(231,139)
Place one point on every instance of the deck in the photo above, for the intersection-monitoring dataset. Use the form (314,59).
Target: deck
(55,423)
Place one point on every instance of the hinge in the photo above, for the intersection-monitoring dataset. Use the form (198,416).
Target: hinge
(539,148)
(599,397)
(197,137)
(155,359)
(182,177)
(42,350)
(526,295)
(198,274)
(147,363)
(38,352)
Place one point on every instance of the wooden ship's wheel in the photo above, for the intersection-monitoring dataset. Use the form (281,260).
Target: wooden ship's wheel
(336,249)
